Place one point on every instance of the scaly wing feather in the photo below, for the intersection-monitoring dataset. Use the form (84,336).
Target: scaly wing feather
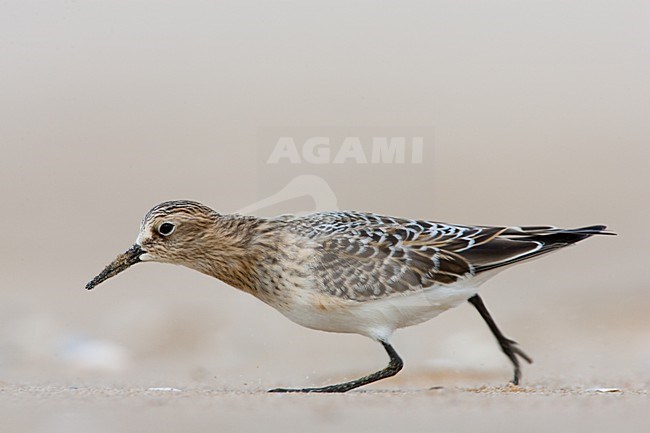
(368,256)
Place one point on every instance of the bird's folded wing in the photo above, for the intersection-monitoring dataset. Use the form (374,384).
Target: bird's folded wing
(383,261)
(359,269)
(368,256)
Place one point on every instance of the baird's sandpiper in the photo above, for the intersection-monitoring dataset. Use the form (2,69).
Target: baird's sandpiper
(347,272)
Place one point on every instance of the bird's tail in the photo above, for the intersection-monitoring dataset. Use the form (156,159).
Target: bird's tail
(559,237)
(517,244)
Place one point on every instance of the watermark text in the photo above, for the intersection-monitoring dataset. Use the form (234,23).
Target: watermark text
(351,149)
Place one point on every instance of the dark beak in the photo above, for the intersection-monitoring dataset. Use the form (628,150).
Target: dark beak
(121,263)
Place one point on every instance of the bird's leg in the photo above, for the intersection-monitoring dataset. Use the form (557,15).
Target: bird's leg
(394,366)
(508,346)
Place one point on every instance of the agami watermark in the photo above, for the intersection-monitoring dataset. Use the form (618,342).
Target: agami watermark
(301,169)
(324,150)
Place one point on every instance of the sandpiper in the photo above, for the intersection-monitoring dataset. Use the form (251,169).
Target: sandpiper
(347,272)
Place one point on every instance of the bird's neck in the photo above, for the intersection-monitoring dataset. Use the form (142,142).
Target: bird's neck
(238,247)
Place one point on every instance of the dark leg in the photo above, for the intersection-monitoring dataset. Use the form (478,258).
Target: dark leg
(508,346)
(394,366)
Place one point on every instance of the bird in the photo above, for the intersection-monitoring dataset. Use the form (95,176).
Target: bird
(345,271)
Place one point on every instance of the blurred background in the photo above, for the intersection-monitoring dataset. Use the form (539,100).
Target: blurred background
(535,113)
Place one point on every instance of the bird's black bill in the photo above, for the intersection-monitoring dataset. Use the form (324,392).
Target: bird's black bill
(121,263)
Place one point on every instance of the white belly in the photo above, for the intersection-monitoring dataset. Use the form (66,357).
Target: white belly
(378,318)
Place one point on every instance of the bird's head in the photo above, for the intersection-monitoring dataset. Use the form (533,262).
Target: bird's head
(172,232)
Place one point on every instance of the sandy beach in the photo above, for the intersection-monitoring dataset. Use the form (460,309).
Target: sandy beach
(490,409)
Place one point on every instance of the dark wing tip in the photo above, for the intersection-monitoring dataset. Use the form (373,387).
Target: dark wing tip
(594,230)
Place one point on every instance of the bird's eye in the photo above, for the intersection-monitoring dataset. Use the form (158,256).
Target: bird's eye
(166,229)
